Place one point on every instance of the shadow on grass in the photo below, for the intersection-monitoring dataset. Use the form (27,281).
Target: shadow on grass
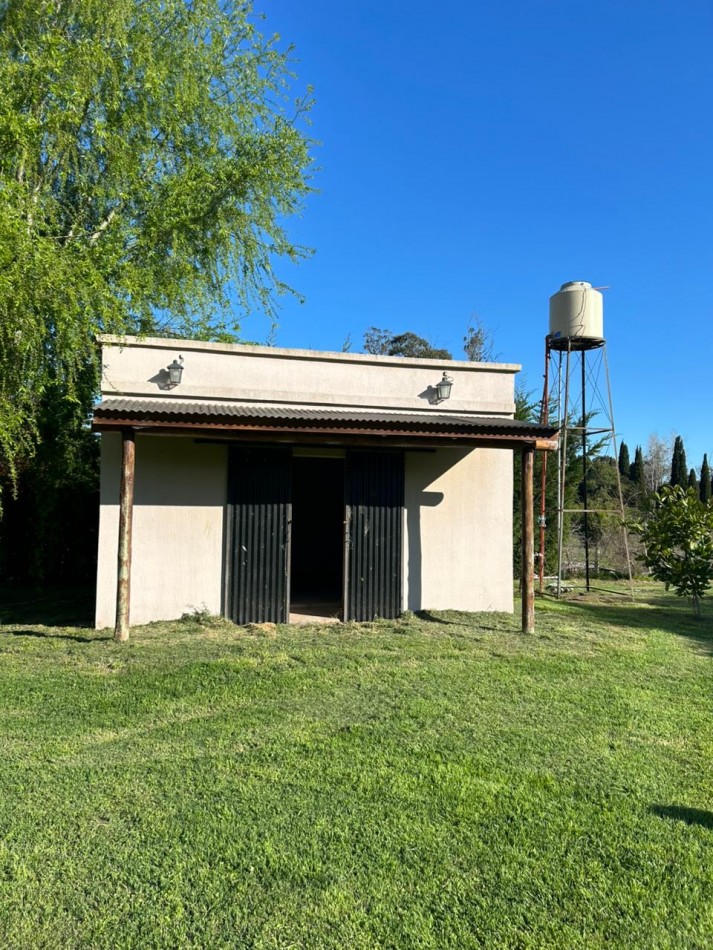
(432,618)
(475,623)
(48,606)
(691,816)
(48,635)
(675,618)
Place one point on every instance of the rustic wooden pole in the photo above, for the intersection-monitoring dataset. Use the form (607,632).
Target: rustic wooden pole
(528,540)
(126,510)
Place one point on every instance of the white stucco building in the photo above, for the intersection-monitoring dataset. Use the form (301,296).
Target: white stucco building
(270,479)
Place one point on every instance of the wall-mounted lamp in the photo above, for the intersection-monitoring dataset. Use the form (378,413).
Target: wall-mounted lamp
(443,389)
(175,372)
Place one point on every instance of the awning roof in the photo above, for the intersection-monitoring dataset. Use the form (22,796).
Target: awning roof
(271,420)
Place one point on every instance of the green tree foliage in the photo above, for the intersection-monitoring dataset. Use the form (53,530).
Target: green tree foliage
(704,487)
(679,469)
(377,341)
(637,473)
(624,460)
(149,156)
(634,488)
(380,342)
(678,542)
(602,493)
(693,479)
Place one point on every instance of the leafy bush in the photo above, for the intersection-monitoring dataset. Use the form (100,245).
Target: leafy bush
(678,542)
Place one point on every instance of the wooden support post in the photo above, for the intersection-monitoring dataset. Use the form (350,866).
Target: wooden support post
(528,540)
(126,510)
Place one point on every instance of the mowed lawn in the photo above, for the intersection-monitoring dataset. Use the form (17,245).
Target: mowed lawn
(434,782)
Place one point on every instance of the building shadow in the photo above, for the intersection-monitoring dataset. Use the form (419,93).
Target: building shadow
(432,618)
(51,606)
(675,618)
(50,635)
(427,499)
(690,816)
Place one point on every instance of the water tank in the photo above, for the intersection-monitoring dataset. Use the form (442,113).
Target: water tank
(576,316)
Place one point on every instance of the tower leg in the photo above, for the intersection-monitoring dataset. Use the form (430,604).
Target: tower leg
(562,473)
(585,498)
(594,404)
(624,529)
(544,418)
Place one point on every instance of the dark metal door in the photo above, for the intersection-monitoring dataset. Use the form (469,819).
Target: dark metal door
(258,535)
(374,535)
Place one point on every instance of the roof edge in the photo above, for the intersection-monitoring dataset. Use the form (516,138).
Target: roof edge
(249,349)
(126,412)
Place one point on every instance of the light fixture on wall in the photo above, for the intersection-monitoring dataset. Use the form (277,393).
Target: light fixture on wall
(175,372)
(443,389)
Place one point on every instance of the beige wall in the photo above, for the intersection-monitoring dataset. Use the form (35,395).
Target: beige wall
(303,377)
(457,544)
(458,551)
(177,561)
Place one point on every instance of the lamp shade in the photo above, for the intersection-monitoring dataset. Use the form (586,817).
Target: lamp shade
(175,371)
(443,389)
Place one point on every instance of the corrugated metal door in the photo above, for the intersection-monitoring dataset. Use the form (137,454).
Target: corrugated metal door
(258,535)
(374,537)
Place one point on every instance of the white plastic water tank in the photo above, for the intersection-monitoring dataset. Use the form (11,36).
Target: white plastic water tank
(577,312)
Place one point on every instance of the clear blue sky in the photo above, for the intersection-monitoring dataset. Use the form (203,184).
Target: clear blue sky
(475,155)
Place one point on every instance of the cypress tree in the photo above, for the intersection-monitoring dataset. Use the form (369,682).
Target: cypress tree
(705,484)
(624,460)
(636,471)
(693,479)
(679,469)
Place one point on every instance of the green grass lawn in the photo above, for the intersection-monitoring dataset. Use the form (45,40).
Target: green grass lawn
(441,782)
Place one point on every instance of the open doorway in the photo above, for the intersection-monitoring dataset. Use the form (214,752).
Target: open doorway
(317,546)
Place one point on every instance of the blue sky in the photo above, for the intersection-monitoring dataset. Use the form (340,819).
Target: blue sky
(474,156)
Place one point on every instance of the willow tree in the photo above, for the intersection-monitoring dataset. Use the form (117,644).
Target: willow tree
(150,153)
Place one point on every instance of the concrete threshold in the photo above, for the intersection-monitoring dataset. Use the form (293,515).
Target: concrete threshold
(315,612)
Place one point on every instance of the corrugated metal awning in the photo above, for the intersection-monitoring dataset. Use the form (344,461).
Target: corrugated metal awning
(197,416)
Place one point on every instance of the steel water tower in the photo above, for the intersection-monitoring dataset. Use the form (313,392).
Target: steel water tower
(577,393)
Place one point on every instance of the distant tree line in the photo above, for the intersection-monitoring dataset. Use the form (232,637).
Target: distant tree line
(634,474)
(478,344)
